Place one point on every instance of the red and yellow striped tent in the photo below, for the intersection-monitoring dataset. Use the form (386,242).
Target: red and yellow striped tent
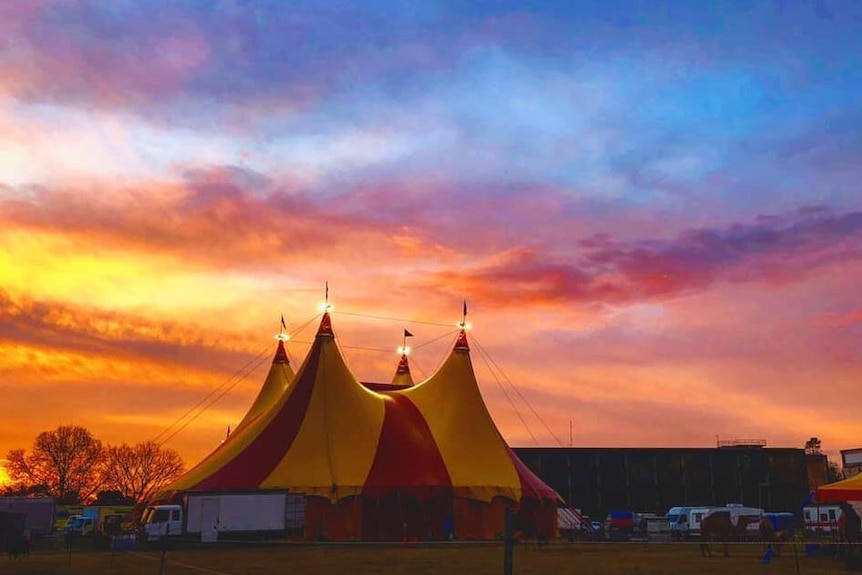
(423,461)
(849,489)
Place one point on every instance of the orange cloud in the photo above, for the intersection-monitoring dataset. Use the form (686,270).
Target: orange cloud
(126,308)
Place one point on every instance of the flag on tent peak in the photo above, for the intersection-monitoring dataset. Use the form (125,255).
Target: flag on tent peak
(407,333)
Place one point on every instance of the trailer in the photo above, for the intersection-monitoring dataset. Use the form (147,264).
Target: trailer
(570,522)
(210,516)
(39,512)
(821,519)
(619,525)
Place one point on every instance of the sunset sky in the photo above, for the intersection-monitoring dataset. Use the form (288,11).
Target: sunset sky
(653,210)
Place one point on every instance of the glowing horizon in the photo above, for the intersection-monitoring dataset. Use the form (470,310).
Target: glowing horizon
(653,215)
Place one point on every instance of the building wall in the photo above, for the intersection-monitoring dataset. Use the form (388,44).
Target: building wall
(818,470)
(597,480)
(851,461)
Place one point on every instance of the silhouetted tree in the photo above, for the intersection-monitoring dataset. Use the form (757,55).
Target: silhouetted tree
(66,461)
(813,446)
(140,470)
(112,497)
(22,490)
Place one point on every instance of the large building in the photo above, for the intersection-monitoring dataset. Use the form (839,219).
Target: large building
(597,480)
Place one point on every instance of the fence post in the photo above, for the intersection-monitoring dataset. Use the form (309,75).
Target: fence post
(795,554)
(508,543)
(164,548)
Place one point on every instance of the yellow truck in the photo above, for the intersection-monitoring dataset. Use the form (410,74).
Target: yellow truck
(103,519)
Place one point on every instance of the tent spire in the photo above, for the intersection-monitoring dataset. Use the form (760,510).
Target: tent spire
(402,373)
(325,329)
(280,353)
(281,336)
(403,366)
(461,344)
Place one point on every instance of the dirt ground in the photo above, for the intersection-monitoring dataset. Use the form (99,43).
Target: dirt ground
(586,558)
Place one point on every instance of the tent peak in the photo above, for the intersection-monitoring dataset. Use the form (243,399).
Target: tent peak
(461,344)
(403,366)
(280,354)
(325,328)
(402,376)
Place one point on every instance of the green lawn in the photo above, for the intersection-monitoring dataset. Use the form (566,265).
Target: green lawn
(418,559)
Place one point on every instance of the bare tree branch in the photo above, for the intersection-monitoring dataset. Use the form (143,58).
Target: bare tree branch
(139,471)
(67,462)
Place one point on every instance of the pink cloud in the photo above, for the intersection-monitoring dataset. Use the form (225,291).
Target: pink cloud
(614,271)
(839,320)
(212,218)
(67,51)
(229,218)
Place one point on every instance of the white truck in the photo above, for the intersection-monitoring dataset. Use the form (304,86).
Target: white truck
(39,512)
(208,516)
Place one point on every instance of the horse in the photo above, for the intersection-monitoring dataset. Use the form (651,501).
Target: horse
(718,527)
(771,537)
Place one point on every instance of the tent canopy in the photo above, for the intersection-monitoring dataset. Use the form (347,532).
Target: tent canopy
(321,432)
(846,490)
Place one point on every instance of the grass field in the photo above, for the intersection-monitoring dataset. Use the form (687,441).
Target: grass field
(587,558)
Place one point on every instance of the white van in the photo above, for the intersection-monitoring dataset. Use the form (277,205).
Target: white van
(684,522)
(80,526)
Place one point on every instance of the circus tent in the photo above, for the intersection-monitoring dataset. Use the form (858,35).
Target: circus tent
(424,460)
(845,490)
